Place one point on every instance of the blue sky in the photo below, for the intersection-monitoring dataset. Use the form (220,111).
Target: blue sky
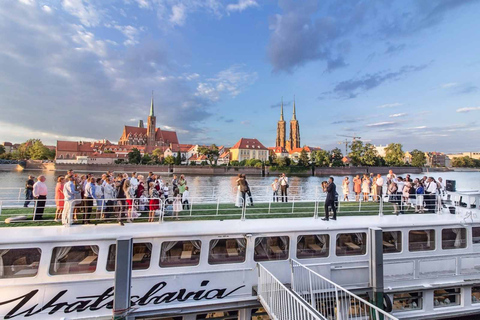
(388,71)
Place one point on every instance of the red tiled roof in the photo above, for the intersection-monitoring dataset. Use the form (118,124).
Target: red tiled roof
(67,145)
(7,144)
(198,157)
(246,143)
(225,154)
(277,149)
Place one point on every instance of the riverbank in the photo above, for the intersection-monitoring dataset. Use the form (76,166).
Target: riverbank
(224,170)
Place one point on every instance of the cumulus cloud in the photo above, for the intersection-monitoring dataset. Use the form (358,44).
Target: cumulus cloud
(130,32)
(468,109)
(231,81)
(85,11)
(389,105)
(241,5)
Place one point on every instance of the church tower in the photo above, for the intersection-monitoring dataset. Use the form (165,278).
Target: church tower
(281,130)
(294,140)
(151,126)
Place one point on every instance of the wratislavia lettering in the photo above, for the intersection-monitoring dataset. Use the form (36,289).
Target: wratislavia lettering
(157,294)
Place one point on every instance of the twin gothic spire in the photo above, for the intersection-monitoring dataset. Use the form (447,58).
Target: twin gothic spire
(294,139)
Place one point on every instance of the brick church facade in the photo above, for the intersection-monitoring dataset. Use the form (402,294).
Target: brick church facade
(293,141)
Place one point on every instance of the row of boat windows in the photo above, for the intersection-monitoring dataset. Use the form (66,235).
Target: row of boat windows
(83,259)
(255,314)
(449,297)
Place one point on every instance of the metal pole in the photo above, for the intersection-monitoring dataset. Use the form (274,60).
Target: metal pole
(123,279)
(376,267)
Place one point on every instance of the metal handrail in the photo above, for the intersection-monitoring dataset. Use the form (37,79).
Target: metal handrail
(280,302)
(330,299)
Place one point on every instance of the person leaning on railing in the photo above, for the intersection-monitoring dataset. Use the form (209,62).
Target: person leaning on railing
(28,191)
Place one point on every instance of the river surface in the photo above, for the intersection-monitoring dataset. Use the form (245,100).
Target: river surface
(223,187)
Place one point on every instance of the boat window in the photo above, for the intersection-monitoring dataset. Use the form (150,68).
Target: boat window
(421,240)
(455,238)
(475,294)
(407,301)
(392,241)
(476,234)
(350,244)
(180,253)
(446,297)
(73,260)
(219,315)
(140,260)
(313,246)
(19,263)
(259,314)
(271,248)
(227,251)
(157,318)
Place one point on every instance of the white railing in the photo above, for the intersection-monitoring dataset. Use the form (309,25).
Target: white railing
(12,193)
(279,302)
(331,300)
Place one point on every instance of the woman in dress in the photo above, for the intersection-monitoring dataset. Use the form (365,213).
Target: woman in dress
(419,191)
(59,197)
(182,183)
(345,188)
(129,195)
(238,198)
(177,205)
(154,203)
(357,187)
(373,189)
(366,187)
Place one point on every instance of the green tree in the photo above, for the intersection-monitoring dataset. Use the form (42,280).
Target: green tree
(37,151)
(178,158)
(169,160)
(134,156)
(146,159)
(303,160)
(322,158)
(157,153)
(282,162)
(210,152)
(394,154)
(418,158)
(356,152)
(336,156)
(2,149)
(369,155)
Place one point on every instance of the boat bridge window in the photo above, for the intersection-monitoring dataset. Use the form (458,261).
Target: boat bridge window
(180,253)
(476,234)
(407,301)
(455,238)
(19,263)
(140,259)
(271,248)
(392,241)
(446,297)
(74,260)
(219,315)
(350,244)
(475,294)
(227,251)
(313,246)
(421,240)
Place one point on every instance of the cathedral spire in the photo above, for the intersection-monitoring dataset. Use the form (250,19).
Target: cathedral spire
(294,115)
(152,113)
(281,111)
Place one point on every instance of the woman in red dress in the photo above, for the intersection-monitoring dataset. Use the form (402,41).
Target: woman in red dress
(59,197)
(154,203)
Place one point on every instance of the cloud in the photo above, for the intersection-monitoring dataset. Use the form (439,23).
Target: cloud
(397,115)
(394,49)
(468,109)
(130,32)
(390,105)
(231,81)
(350,89)
(460,88)
(382,124)
(47,9)
(467,89)
(246,123)
(279,104)
(241,5)
(178,15)
(449,85)
(229,120)
(83,10)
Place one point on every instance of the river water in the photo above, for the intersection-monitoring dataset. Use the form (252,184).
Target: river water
(223,187)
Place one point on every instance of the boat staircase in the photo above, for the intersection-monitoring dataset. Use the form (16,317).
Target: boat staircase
(310,296)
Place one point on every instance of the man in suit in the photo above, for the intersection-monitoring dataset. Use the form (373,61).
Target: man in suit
(330,200)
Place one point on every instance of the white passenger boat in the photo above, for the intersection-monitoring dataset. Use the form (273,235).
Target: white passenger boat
(209,269)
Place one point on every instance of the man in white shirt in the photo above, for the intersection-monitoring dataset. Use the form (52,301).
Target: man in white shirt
(390,176)
(283,187)
(430,194)
(379,184)
(40,195)
(185,197)
(69,192)
(134,180)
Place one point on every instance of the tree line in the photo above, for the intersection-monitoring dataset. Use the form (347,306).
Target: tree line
(32,149)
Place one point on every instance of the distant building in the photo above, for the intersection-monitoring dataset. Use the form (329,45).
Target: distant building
(474,155)
(436,159)
(407,158)
(224,157)
(151,136)
(293,141)
(246,149)
(9,147)
(278,152)
(294,154)
(174,149)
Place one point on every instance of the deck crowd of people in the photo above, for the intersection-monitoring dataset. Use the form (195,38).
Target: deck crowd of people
(113,196)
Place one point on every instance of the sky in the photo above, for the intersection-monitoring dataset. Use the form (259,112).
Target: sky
(387,71)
